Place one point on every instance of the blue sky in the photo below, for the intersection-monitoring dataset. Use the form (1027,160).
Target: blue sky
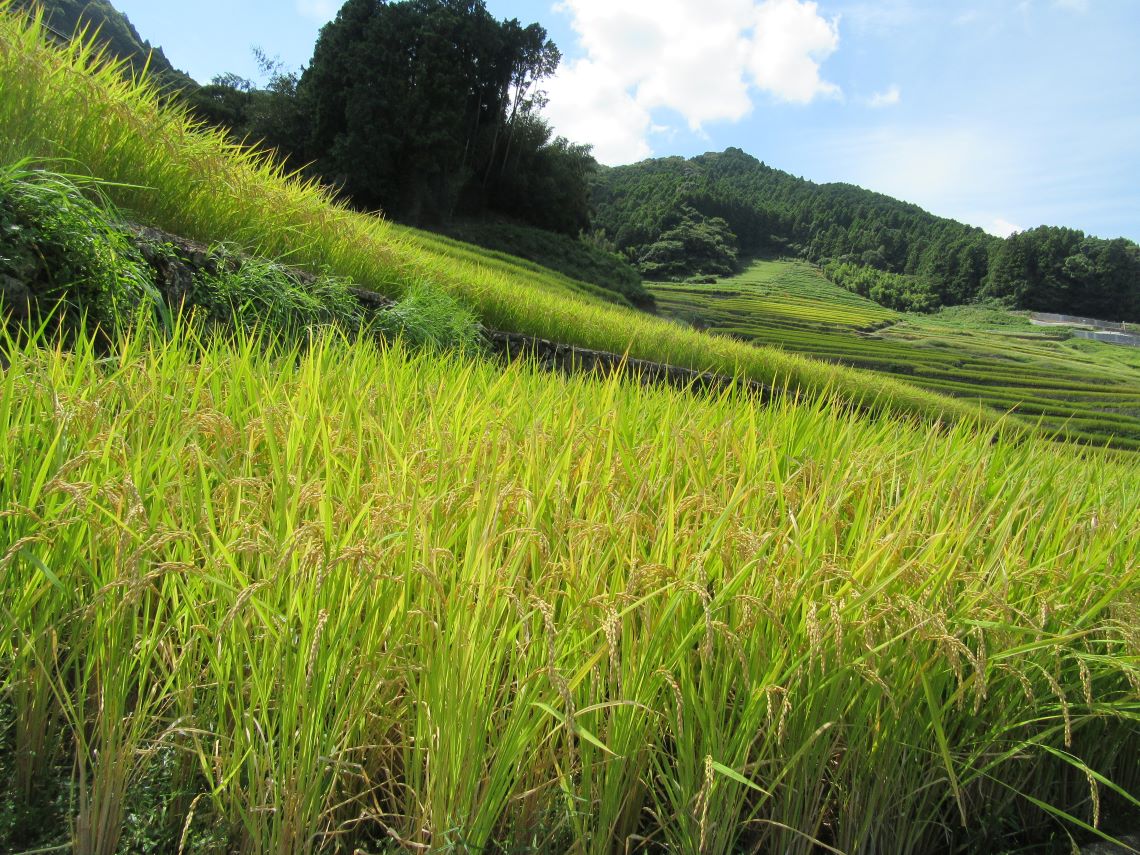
(1002,113)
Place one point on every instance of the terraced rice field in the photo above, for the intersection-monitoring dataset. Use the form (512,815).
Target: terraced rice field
(1082,390)
(348,598)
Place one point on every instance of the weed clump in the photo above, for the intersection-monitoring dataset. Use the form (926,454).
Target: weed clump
(60,251)
(259,293)
(428,317)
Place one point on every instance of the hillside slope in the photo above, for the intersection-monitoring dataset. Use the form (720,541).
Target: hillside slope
(170,172)
(113,31)
(1081,390)
(682,216)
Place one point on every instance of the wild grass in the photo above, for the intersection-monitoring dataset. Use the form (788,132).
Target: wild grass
(982,354)
(283,599)
(71,106)
(58,250)
(258,293)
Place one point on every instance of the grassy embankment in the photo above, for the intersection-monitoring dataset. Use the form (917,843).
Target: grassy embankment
(577,259)
(63,106)
(1082,390)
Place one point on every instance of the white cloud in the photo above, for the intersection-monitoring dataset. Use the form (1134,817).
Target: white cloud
(704,62)
(882,17)
(791,39)
(320,10)
(948,170)
(888,98)
(1002,228)
(588,104)
(1026,6)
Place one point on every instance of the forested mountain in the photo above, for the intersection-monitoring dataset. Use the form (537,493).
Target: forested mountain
(115,32)
(675,218)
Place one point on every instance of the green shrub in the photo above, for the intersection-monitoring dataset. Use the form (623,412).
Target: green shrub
(60,249)
(428,317)
(893,290)
(259,293)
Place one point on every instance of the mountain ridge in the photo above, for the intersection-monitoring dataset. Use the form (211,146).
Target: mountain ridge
(676,217)
(114,31)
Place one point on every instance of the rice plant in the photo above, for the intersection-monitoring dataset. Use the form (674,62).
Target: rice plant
(267,595)
(349,596)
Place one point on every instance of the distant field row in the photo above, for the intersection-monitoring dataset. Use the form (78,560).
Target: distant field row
(1084,390)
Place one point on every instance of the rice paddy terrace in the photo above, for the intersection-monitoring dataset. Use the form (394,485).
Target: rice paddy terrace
(340,596)
(1082,390)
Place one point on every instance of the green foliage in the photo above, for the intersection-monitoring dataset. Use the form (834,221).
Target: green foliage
(428,317)
(773,212)
(269,118)
(573,257)
(944,262)
(260,294)
(893,290)
(60,249)
(349,597)
(535,276)
(114,33)
(696,245)
(983,316)
(429,107)
(1063,270)
(542,181)
(1076,390)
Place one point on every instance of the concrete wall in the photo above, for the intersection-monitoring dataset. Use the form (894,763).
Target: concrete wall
(1110,326)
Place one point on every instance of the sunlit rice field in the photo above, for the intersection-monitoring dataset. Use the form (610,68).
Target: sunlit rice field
(259,597)
(286,601)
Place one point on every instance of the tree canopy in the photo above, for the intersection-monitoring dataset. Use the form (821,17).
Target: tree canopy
(426,108)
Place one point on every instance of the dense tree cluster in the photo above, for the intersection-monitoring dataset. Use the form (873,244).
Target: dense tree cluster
(892,251)
(1054,269)
(696,242)
(425,109)
(893,290)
